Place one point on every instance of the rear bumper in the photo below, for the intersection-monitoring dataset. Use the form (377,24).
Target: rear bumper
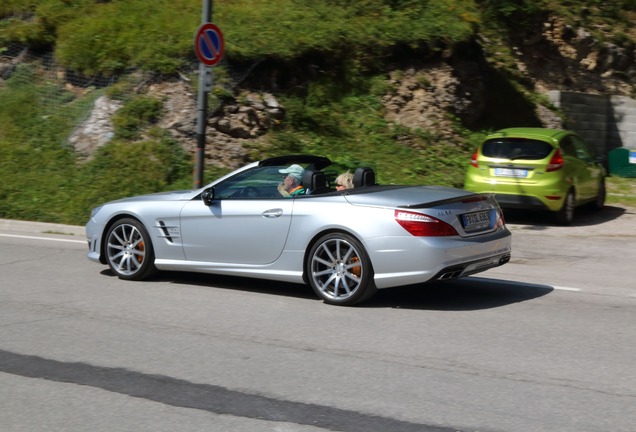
(413,260)
(528,202)
(520,201)
(467,269)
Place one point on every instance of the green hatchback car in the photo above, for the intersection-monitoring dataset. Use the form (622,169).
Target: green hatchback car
(538,168)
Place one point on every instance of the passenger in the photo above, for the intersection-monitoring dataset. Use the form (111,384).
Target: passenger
(291,184)
(344,181)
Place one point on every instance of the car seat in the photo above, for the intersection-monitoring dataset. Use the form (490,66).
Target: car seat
(363,177)
(315,182)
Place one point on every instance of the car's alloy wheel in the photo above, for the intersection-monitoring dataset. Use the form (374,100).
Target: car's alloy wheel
(129,250)
(565,216)
(339,270)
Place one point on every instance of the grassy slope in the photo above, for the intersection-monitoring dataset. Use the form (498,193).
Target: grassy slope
(337,111)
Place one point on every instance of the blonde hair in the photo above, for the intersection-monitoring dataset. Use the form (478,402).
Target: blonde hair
(345,179)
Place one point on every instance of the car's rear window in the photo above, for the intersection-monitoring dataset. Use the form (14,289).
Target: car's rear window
(516,148)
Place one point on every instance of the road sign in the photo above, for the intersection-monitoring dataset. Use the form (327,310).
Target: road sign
(209,45)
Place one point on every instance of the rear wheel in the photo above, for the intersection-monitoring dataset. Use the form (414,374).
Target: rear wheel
(565,216)
(339,270)
(129,250)
(599,203)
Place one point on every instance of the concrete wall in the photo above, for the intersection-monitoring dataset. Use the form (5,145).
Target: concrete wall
(605,122)
(623,110)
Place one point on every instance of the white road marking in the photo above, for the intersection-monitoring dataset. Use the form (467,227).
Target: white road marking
(44,238)
(567,288)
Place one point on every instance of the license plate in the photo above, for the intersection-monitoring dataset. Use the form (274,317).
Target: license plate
(476,220)
(511,172)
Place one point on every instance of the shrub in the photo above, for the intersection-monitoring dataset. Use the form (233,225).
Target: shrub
(135,115)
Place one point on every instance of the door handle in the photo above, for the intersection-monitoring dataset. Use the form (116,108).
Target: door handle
(272,213)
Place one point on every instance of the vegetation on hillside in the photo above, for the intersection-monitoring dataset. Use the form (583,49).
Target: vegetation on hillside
(335,110)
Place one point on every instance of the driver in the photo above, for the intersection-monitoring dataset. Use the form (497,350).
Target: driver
(291,184)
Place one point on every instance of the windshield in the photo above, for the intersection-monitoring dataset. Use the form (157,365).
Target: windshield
(260,182)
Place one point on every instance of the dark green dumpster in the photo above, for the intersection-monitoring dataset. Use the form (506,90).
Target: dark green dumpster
(622,162)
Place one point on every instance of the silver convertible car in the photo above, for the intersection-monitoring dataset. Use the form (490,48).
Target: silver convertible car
(345,244)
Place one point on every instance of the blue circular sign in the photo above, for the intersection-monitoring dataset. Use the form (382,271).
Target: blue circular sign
(209,45)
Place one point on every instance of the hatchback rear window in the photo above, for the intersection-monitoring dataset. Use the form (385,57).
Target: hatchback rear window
(516,148)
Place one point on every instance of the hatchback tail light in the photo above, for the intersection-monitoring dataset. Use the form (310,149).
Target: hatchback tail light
(420,225)
(473,159)
(556,163)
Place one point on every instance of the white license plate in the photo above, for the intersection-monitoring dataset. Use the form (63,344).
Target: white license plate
(511,172)
(480,219)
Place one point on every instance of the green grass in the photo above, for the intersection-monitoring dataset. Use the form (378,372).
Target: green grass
(621,190)
(107,38)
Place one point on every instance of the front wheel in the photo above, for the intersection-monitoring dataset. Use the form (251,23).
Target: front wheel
(339,270)
(129,250)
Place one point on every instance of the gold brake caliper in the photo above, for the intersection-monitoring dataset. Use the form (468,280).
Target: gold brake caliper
(357,270)
(141,248)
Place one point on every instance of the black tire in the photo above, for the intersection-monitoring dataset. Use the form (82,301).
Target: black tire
(599,202)
(129,251)
(565,215)
(339,270)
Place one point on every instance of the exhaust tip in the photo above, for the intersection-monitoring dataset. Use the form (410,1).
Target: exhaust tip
(504,259)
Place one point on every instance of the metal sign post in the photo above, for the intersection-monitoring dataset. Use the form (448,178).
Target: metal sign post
(209,48)
(202,108)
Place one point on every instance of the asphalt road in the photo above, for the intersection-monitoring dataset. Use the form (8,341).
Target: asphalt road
(544,343)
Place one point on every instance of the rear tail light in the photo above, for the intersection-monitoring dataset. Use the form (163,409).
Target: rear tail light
(420,225)
(473,159)
(556,163)
(501,220)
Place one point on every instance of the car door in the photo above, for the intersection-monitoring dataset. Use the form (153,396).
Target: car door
(249,231)
(247,221)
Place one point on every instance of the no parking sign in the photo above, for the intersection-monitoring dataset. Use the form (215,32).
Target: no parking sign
(209,45)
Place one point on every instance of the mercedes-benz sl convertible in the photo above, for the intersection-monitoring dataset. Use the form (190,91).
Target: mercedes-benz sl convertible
(345,244)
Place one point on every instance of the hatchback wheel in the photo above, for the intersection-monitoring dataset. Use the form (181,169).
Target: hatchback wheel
(599,203)
(129,250)
(565,216)
(339,270)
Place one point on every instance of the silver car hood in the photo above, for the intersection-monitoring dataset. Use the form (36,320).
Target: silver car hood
(407,196)
(183,195)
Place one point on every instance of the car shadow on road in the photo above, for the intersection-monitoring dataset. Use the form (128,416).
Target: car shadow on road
(261,286)
(583,216)
(471,293)
(466,294)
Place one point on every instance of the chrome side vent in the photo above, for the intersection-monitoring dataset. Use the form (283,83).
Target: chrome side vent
(169,232)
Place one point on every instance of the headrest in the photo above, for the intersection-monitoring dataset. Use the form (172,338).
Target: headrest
(363,177)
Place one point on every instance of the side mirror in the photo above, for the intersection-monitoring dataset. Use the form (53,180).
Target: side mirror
(208,196)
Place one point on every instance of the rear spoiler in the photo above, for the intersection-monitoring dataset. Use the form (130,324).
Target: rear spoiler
(469,197)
